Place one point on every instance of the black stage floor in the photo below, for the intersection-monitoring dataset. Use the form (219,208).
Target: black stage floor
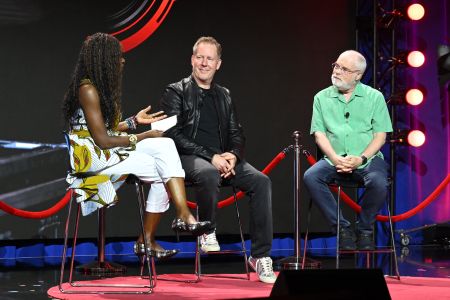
(28,279)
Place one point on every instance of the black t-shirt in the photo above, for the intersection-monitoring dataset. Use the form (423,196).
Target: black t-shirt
(208,127)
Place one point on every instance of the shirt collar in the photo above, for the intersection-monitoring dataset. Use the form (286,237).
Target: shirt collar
(358,91)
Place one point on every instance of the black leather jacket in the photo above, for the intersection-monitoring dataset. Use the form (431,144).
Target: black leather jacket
(183,99)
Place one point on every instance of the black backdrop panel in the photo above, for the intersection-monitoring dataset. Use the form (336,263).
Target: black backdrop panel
(276,56)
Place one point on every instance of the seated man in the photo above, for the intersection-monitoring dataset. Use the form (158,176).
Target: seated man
(349,123)
(210,142)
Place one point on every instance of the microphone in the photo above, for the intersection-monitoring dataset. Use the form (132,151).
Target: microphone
(347,114)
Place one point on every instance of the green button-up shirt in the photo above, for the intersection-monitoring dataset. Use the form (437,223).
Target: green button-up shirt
(350,126)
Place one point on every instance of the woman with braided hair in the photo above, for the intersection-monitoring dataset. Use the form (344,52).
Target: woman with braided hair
(101,147)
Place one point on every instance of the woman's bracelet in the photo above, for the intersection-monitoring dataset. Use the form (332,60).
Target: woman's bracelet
(131,122)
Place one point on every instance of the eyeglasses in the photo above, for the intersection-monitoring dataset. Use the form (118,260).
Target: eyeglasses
(343,69)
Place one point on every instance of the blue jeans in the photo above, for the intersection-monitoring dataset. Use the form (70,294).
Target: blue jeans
(374,176)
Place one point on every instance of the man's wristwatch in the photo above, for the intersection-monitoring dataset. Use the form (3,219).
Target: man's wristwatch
(133,140)
(364,160)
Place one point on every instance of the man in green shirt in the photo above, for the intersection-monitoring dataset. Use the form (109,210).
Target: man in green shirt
(349,124)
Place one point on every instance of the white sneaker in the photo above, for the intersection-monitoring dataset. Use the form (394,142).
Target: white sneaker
(209,243)
(263,268)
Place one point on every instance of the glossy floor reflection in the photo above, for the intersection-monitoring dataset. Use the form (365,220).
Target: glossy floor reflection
(32,277)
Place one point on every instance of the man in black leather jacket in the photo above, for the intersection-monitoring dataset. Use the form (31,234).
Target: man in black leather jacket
(210,141)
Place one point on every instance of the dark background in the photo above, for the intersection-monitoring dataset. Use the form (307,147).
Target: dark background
(276,56)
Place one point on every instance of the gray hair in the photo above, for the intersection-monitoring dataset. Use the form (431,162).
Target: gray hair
(360,61)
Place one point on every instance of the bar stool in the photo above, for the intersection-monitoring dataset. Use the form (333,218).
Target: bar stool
(243,249)
(101,267)
(349,183)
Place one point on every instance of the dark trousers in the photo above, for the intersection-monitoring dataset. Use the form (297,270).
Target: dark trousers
(257,186)
(374,176)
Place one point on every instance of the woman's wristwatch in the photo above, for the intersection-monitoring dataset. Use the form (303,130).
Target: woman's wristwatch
(133,141)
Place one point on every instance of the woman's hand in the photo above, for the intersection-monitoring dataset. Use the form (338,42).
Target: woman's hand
(150,134)
(145,117)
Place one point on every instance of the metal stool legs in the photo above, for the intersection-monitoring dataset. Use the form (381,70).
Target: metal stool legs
(76,285)
(308,220)
(101,267)
(150,260)
(397,273)
(338,225)
(243,248)
(391,237)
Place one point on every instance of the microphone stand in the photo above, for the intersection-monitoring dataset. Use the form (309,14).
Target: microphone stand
(296,262)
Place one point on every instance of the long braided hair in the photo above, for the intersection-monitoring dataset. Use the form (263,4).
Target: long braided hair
(98,61)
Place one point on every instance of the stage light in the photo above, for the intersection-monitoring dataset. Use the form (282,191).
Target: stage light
(412,58)
(414,97)
(415,11)
(415,59)
(416,138)
(389,18)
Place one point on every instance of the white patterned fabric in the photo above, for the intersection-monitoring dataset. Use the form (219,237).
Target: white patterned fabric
(154,160)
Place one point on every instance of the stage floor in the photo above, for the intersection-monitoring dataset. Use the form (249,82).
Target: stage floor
(28,278)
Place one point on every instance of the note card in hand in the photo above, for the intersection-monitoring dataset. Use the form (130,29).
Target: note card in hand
(164,124)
